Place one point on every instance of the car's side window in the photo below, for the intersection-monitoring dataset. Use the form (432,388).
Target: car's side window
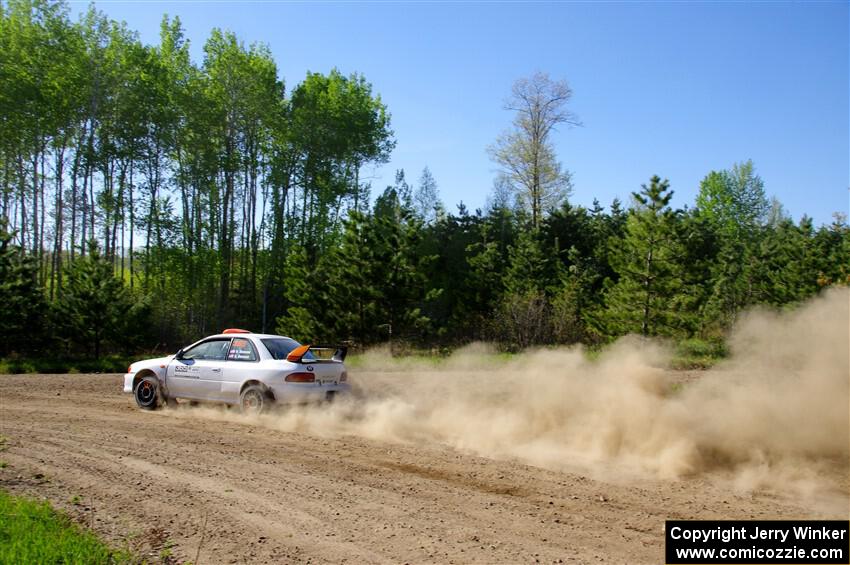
(219,351)
(214,349)
(242,350)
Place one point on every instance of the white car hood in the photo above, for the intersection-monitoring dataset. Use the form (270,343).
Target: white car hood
(150,363)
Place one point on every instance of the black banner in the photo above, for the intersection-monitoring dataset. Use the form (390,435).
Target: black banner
(813,542)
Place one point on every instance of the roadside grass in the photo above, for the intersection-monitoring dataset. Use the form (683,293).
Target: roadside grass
(32,532)
(108,364)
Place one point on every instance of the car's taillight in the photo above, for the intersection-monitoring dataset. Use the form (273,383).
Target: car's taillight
(344,377)
(130,369)
(300,378)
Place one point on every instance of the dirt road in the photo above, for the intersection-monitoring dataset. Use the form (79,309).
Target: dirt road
(176,486)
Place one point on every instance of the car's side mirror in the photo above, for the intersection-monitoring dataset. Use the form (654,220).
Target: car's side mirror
(179,354)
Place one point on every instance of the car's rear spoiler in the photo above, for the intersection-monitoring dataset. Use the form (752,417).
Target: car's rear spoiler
(337,353)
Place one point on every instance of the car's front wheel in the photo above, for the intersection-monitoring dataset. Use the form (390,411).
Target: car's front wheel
(147,393)
(254,400)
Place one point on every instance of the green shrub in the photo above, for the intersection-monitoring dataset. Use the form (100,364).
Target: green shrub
(697,353)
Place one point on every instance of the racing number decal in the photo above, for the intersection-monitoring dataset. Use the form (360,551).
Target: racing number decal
(241,350)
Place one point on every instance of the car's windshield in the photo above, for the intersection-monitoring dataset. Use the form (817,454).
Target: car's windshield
(280,347)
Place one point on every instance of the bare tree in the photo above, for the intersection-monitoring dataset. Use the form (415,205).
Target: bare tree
(526,153)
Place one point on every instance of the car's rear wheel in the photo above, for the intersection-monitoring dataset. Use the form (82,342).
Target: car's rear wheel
(147,393)
(254,400)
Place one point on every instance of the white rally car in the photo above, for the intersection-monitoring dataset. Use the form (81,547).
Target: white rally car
(238,367)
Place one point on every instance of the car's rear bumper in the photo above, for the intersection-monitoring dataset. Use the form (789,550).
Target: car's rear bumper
(286,393)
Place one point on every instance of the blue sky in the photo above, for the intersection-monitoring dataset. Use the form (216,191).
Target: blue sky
(674,89)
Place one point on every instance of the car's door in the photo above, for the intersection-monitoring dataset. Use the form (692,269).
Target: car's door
(241,365)
(197,374)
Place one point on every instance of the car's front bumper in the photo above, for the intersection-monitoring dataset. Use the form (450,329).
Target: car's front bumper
(128,382)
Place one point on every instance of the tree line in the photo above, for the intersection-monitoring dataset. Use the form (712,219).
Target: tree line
(147,200)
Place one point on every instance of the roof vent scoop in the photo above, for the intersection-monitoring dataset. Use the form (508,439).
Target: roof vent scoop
(235,331)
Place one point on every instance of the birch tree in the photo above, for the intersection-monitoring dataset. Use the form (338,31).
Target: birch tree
(526,152)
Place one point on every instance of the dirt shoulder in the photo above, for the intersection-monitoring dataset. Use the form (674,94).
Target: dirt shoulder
(166,483)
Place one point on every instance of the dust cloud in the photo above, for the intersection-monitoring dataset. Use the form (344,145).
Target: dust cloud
(775,415)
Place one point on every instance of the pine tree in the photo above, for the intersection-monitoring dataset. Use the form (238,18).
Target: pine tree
(832,250)
(484,283)
(527,265)
(96,309)
(426,198)
(399,267)
(523,315)
(300,320)
(571,299)
(649,298)
(783,268)
(22,306)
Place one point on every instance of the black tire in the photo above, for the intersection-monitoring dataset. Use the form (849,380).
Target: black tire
(147,393)
(254,400)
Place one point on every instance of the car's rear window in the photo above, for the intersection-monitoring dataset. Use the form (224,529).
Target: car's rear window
(280,347)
